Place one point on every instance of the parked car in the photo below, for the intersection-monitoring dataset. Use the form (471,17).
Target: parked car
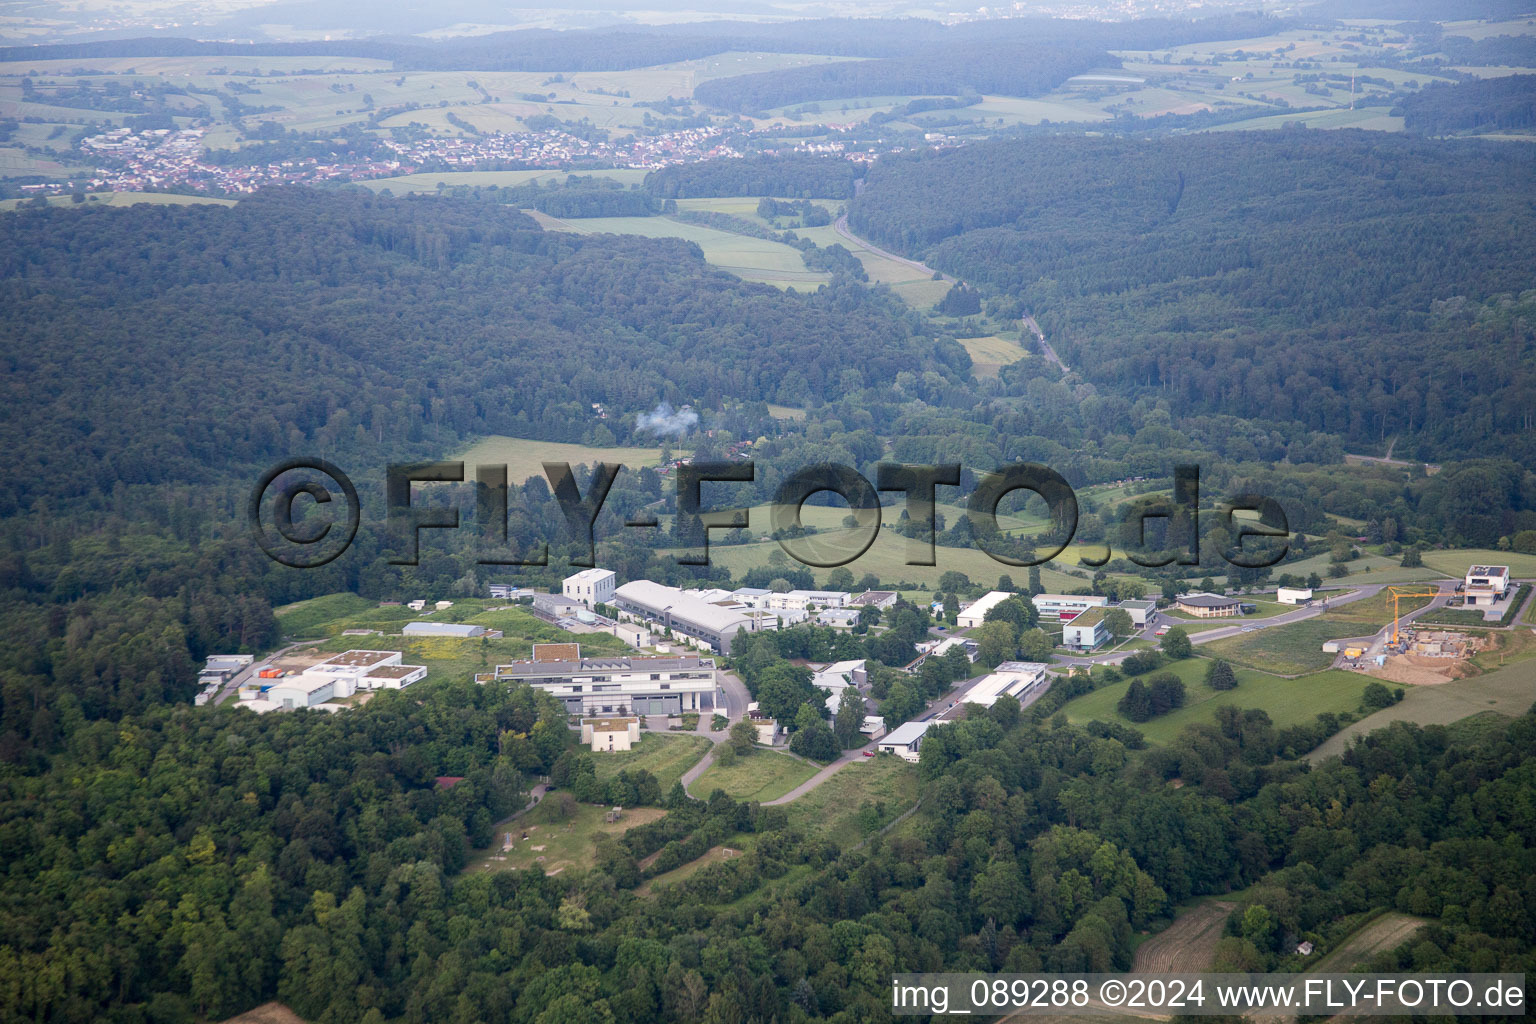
(869,753)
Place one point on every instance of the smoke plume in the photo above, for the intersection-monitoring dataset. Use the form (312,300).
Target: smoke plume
(664,421)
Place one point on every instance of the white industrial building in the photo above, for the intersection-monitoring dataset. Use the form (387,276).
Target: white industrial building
(1061,607)
(838,618)
(609,684)
(904,740)
(688,615)
(876,599)
(1014,679)
(1293,595)
(342,676)
(590,586)
(975,613)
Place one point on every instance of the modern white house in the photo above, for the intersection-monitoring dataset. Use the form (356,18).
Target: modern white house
(1060,607)
(613,684)
(591,586)
(840,674)
(904,740)
(1485,585)
(1293,595)
(610,734)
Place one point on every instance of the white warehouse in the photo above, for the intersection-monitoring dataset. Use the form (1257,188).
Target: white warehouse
(590,586)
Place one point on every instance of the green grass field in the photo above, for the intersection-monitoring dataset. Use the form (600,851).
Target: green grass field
(307,618)
(121,199)
(751,259)
(761,775)
(835,809)
(1507,691)
(1456,562)
(524,458)
(1286,701)
(991,354)
(666,755)
(1286,650)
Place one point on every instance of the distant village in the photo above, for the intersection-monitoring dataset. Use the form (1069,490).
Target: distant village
(160,159)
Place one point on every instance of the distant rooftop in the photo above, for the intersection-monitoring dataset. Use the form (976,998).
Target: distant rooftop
(361,659)
(1204,600)
(1089,617)
(557,652)
(609,724)
(1488,570)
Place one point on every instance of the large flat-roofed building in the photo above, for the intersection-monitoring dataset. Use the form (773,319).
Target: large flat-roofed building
(351,671)
(691,616)
(975,613)
(464,630)
(876,599)
(1061,607)
(1085,631)
(1014,679)
(1207,606)
(608,685)
(302,691)
(590,586)
(1485,584)
(1293,595)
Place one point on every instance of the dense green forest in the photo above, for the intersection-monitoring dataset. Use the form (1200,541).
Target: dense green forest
(1346,282)
(201,862)
(1507,103)
(359,327)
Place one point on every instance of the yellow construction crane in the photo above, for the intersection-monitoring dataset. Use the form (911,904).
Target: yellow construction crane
(1399,593)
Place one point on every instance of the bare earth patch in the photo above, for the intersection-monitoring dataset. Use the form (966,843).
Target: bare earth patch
(1188,945)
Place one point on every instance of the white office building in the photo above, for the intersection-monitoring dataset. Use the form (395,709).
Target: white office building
(1293,595)
(608,685)
(803,600)
(1061,607)
(1485,585)
(591,587)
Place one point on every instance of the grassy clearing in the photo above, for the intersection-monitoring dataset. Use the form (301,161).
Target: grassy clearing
(887,559)
(910,284)
(557,844)
(835,809)
(117,198)
(665,755)
(1507,691)
(761,775)
(751,259)
(524,458)
(1286,650)
(1286,701)
(991,354)
(304,618)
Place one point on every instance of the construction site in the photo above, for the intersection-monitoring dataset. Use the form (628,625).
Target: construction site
(1426,657)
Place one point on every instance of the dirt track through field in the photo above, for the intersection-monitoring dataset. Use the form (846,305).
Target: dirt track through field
(1186,946)
(267,1013)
